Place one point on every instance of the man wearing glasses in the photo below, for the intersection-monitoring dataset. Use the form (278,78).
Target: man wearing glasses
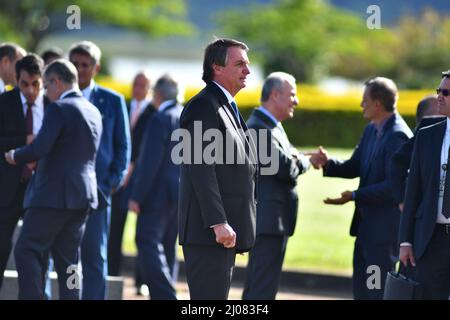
(425,223)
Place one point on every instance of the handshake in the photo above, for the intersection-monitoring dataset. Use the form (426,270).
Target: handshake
(318,158)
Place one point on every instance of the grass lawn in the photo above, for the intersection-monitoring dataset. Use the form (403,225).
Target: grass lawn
(321,242)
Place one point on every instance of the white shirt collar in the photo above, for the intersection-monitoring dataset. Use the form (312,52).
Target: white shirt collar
(66,93)
(163,106)
(38,103)
(2,86)
(227,94)
(88,90)
(144,104)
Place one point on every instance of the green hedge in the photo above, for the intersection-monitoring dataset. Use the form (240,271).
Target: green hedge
(338,129)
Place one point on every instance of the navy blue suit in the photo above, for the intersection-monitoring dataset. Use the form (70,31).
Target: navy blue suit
(13,134)
(59,194)
(276,212)
(112,163)
(402,158)
(376,218)
(418,222)
(155,188)
(119,203)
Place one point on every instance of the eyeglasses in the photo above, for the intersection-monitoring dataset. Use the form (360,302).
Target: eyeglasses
(445,92)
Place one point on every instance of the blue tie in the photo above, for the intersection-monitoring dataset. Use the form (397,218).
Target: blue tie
(236,111)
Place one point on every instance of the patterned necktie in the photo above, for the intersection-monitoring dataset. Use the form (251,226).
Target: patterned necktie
(236,112)
(446,198)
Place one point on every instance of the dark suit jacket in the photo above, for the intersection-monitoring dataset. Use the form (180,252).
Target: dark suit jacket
(377,216)
(115,146)
(13,134)
(66,148)
(215,193)
(156,176)
(139,130)
(276,211)
(402,158)
(420,212)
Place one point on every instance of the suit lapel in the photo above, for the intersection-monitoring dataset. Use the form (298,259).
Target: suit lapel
(435,153)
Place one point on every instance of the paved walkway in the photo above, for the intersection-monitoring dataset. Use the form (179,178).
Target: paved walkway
(129,293)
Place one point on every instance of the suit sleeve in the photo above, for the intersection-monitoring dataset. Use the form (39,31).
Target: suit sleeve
(122,145)
(288,168)
(398,171)
(8,142)
(413,195)
(150,160)
(381,192)
(203,176)
(52,125)
(344,169)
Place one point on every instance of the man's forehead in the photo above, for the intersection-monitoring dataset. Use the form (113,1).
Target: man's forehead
(24,75)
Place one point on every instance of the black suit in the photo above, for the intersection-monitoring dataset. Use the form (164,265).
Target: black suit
(402,158)
(418,223)
(276,212)
(59,194)
(212,194)
(13,134)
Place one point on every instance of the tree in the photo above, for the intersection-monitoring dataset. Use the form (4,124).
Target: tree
(311,39)
(29,21)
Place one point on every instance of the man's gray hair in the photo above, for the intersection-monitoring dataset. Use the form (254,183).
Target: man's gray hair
(275,81)
(64,71)
(87,48)
(167,87)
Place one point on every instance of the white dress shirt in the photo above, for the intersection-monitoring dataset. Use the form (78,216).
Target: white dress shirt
(444,155)
(88,90)
(2,86)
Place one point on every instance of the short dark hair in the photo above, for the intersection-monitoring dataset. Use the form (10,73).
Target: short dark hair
(87,48)
(52,53)
(8,49)
(217,53)
(383,90)
(426,107)
(63,69)
(31,63)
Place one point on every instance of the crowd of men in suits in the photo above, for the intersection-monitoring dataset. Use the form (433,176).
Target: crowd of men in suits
(77,160)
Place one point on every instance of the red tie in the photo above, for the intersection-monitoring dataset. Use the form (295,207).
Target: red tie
(27,172)
(29,118)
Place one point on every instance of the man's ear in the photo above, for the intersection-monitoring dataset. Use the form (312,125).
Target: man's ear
(217,69)
(96,69)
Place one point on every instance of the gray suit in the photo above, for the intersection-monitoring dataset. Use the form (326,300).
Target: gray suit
(276,212)
(59,194)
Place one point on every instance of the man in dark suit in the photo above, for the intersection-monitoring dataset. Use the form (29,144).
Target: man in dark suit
(276,211)
(426,115)
(217,196)
(21,114)
(425,223)
(111,166)
(154,195)
(376,218)
(63,188)
(140,109)
(10,53)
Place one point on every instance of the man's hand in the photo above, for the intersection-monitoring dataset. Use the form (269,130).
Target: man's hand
(346,196)
(225,235)
(318,158)
(401,206)
(9,157)
(406,255)
(30,138)
(134,206)
(31,165)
